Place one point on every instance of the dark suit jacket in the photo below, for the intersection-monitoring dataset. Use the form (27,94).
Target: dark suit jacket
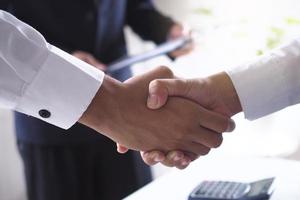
(95,26)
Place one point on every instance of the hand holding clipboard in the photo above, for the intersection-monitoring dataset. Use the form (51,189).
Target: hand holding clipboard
(159,50)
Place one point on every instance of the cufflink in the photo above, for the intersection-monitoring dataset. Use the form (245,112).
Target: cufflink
(44,113)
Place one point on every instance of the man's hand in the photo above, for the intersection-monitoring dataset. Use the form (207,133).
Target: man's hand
(215,93)
(90,59)
(119,111)
(176,32)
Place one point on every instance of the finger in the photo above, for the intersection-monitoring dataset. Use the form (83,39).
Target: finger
(196,148)
(80,56)
(215,121)
(96,63)
(121,149)
(206,137)
(176,31)
(180,52)
(101,67)
(179,30)
(160,89)
(90,59)
(184,163)
(173,158)
(153,157)
(190,155)
(84,56)
(177,159)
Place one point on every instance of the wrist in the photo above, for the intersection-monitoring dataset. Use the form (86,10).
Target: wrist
(222,84)
(104,107)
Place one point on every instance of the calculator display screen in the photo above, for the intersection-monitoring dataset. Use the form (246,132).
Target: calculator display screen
(260,187)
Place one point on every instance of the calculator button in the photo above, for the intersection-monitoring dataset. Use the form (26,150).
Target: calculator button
(242,190)
(232,189)
(221,189)
(204,186)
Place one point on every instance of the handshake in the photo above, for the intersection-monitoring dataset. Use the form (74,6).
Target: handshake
(170,120)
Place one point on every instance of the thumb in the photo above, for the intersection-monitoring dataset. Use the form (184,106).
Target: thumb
(161,89)
(121,149)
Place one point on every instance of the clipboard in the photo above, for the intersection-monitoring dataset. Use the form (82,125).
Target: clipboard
(159,50)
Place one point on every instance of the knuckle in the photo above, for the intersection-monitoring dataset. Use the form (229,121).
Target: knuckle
(180,81)
(156,83)
(147,160)
(186,86)
(166,71)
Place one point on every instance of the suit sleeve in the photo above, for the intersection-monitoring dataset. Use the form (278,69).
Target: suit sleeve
(270,83)
(147,22)
(40,80)
(4,4)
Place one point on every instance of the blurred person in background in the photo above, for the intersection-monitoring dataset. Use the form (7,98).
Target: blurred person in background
(79,163)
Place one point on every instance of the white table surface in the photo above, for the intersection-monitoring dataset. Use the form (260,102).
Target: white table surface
(178,184)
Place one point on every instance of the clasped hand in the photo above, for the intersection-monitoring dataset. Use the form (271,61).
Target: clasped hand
(181,129)
(172,130)
(208,125)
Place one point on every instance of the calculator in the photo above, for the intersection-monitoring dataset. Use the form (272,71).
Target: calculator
(227,190)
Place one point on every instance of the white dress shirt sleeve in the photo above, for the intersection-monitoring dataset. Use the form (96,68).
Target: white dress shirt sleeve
(41,80)
(270,83)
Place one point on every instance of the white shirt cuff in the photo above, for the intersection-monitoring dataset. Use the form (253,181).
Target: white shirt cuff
(270,83)
(62,89)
